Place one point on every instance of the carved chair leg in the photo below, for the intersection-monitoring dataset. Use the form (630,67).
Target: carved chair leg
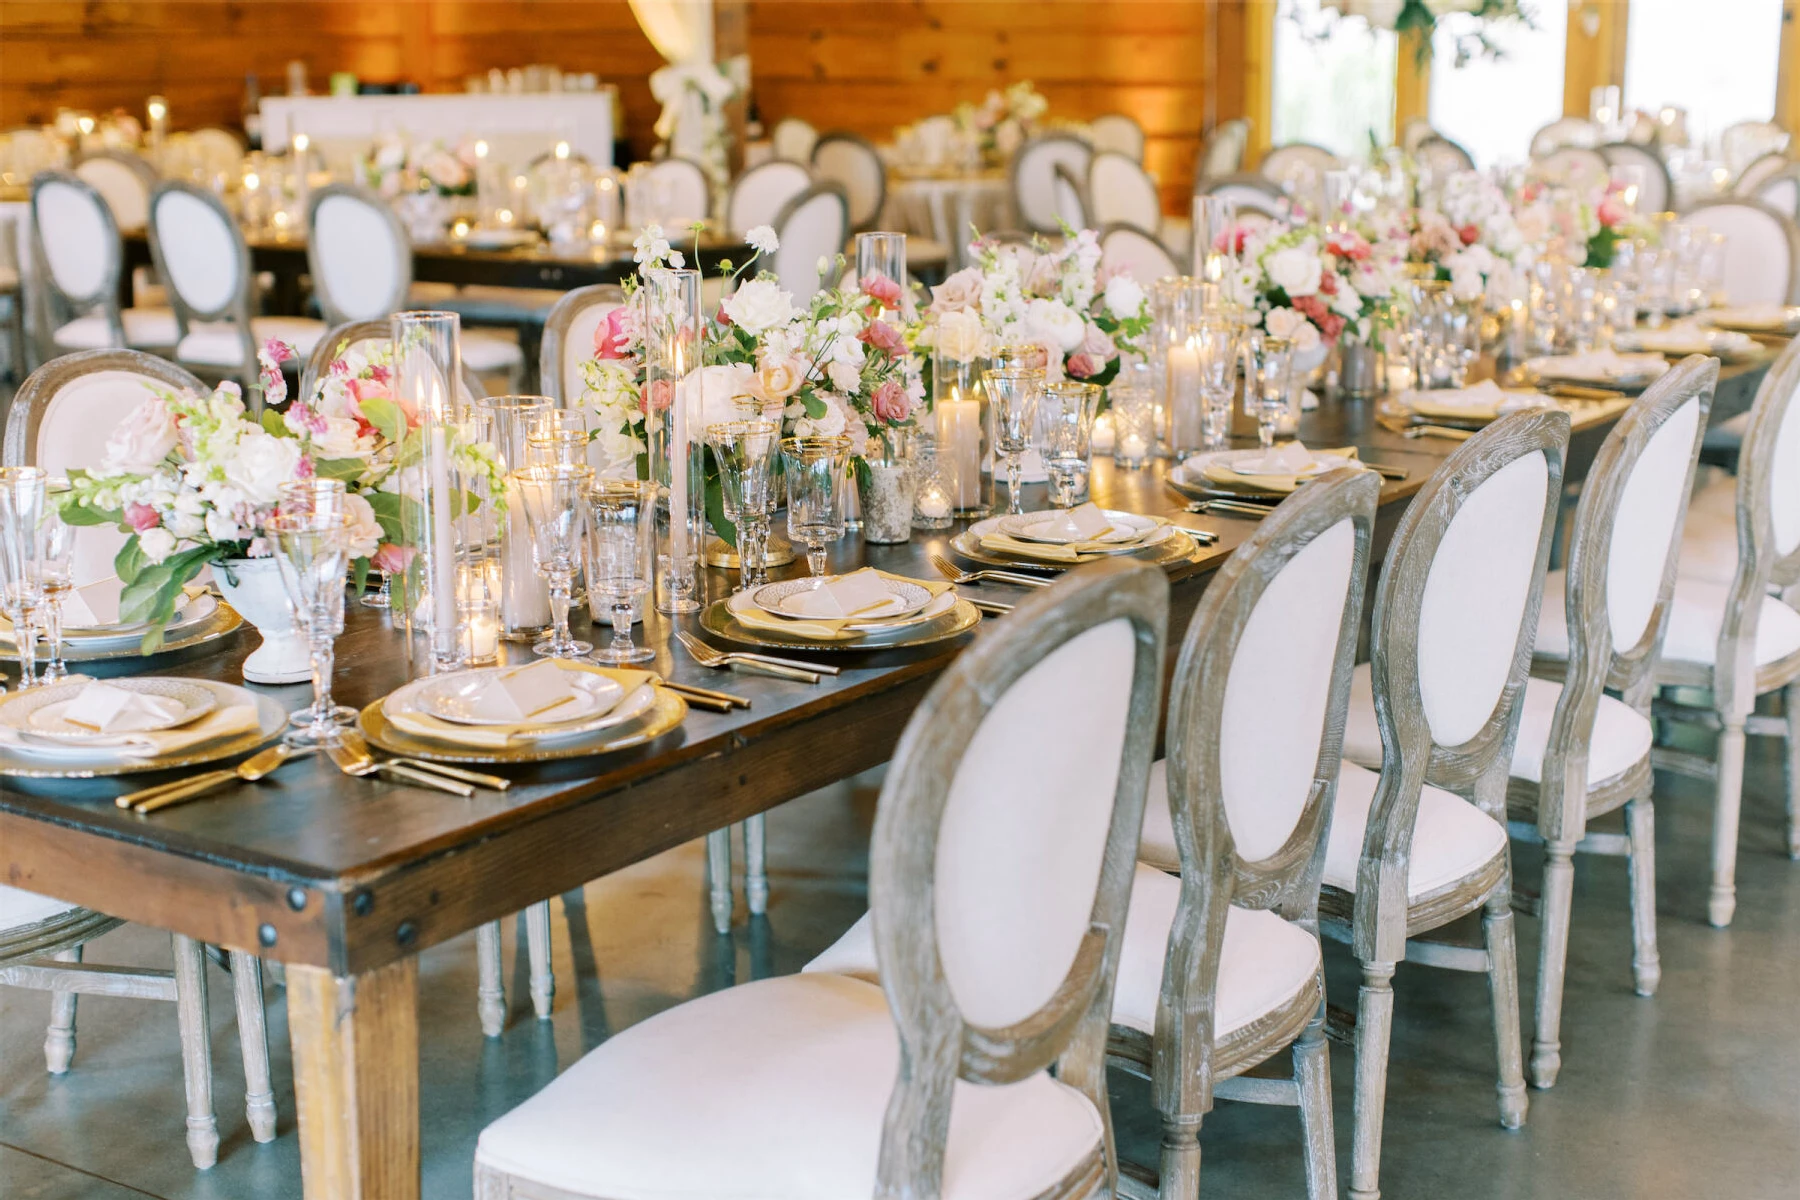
(253,1037)
(718,870)
(756,864)
(1312,1071)
(1640,825)
(490,992)
(59,1039)
(1374,1026)
(1503,989)
(1790,704)
(537,950)
(1722,902)
(1179,1178)
(1553,961)
(196,1050)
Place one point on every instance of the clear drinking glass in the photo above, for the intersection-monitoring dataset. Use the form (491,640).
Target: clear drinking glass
(669,312)
(882,255)
(557,444)
(56,560)
(1013,398)
(621,522)
(311,551)
(21,512)
(1272,374)
(1066,413)
(1215,230)
(817,471)
(1134,424)
(1216,345)
(551,495)
(746,454)
(312,495)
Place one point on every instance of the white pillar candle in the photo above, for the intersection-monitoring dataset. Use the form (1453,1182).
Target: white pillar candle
(1184,396)
(959,448)
(1103,435)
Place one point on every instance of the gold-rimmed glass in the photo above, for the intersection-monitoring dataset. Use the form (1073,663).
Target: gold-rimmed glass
(745,451)
(817,471)
(1271,376)
(312,550)
(1066,412)
(551,495)
(621,525)
(21,512)
(1012,399)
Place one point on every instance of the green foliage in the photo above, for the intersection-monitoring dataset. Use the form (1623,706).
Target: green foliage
(152,590)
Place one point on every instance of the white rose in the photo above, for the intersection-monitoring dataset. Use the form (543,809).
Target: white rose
(221,528)
(1305,337)
(1346,303)
(141,441)
(960,337)
(759,305)
(1124,297)
(727,393)
(340,440)
(1296,270)
(262,463)
(365,530)
(157,544)
(1285,322)
(845,377)
(1054,322)
(1466,279)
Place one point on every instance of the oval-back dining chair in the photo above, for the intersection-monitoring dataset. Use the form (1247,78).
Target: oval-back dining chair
(1070,194)
(1423,842)
(792,140)
(1034,177)
(812,226)
(1140,255)
(1297,167)
(1224,152)
(77,241)
(569,339)
(757,195)
(998,881)
(1117,133)
(1581,753)
(684,195)
(1759,172)
(1762,249)
(1121,192)
(1658,194)
(852,162)
(1443,157)
(124,181)
(1781,191)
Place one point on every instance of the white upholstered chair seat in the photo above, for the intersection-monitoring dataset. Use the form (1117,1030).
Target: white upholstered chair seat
(217,345)
(788,1079)
(490,351)
(1698,611)
(1709,539)
(144,327)
(1264,964)
(19,908)
(1452,839)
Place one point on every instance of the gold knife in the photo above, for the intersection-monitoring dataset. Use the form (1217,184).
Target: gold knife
(250,770)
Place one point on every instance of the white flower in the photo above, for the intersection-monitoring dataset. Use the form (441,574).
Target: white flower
(221,528)
(262,463)
(157,544)
(759,305)
(365,530)
(1285,322)
(1124,297)
(832,424)
(960,336)
(141,441)
(651,246)
(762,239)
(845,377)
(340,440)
(727,393)
(1054,322)
(1296,269)
(1346,303)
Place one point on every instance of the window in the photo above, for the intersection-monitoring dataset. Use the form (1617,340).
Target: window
(1718,60)
(1334,80)
(1492,106)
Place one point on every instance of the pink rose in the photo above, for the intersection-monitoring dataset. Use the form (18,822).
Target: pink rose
(880,288)
(1611,212)
(1083,366)
(369,389)
(612,335)
(890,402)
(883,337)
(141,517)
(658,395)
(393,559)
(1095,343)
(962,290)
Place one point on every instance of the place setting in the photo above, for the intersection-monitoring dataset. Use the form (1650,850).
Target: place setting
(1682,338)
(1769,320)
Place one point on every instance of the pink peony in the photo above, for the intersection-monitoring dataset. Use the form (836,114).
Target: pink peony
(141,517)
(890,402)
(1084,366)
(1097,344)
(880,288)
(393,559)
(612,335)
(658,393)
(883,337)
(1611,212)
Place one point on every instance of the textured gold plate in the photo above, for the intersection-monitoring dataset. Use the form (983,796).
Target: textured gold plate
(1177,547)
(664,715)
(224,620)
(271,718)
(716,619)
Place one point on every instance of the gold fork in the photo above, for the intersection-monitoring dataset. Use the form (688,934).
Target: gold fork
(950,571)
(706,656)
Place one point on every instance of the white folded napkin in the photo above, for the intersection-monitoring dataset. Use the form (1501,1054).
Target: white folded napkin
(92,604)
(1606,365)
(524,694)
(1289,458)
(1082,523)
(857,593)
(105,708)
(1478,399)
(218,724)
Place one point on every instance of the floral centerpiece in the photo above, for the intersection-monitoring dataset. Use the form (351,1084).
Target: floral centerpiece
(1420,18)
(1313,285)
(1002,122)
(1467,235)
(1582,220)
(1056,297)
(395,166)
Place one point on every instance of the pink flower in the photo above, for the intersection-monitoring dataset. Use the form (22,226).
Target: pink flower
(141,517)
(1083,366)
(1468,234)
(612,335)
(278,350)
(1097,343)
(890,402)
(369,389)
(880,288)
(883,337)
(658,394)
(1611,212)
(393,559)
(304,468)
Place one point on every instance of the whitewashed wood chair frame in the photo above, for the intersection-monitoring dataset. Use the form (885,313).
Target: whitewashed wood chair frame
(1564,131)
(1120,192)
(756,196)
(1224,152)
(792,140)
(569,339)
(1034,178)
(1758,172)
(1117,133)
(233,306)
(123,179)
(915,849)
(64,285)
(1572,165)
(1250,193)
(856,156)
(805,240)
(1782,234)
(1734,678)
(1070,197)
(1381,921)
(1781,191)
(1288,165)
(393,255)
(1186,1064)
(1555,809)
(1745,142)
(1443,156)
(1659,195)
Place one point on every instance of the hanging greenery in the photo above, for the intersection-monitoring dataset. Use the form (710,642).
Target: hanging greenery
(1421,17)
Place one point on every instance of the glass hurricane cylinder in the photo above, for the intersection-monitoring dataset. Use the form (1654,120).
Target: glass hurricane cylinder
(670,319)
(883,255)
(886,483)
(1180,305)
(524,596)
(959,411)
(427,370)
(1215,247)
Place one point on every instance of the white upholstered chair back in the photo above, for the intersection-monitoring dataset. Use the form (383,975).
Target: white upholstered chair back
(1224,153)
(1646,527)
(792,140)
(124,181)
(1247,193)
(1116,133)
(569,333)
(1748,141)
(1658,194)
(1121,192)
(1139,254)
(1572,166)
(1781,191)
(1768,484)
(1757,173)
(1071,197)
(1443,157)
(851,161)
(1034,177)
(360,256)
(1762,250)
(757,195)
(813,225)
(61,419)
(683,194)
(1564,131)
(199,251)
(1297,166)
(367,337)
(78,241)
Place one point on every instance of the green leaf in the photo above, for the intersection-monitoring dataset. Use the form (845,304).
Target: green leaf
(715,505)
(129,561)
(815,407)
(272,423)
(156,591)
(386,416)
(345,470)
(359,576)
(80,514)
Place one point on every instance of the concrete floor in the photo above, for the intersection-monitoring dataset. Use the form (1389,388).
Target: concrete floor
(1695,1093)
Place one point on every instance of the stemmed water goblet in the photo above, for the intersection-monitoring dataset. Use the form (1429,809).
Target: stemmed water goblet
(21,512)
(745,451)
(312,550)
(551,495)
(1066,412)
(1013,396)
(1216,340)
(56,575)
(1272,375)
(621,524)
(817,470)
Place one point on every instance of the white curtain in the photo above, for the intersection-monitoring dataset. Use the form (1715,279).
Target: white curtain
(681,30)
(692,89)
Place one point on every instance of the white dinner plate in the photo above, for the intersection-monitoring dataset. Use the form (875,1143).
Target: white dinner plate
(634,704)
(904,598)
(1127,529)
(454,698)
(41,711)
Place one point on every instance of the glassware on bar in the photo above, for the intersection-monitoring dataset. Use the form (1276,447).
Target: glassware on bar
(55,564)
(551,495)
(22,492)
(312,549)
(1012,397)
(621,522)
(745,451)
(817,471)
(1066,412)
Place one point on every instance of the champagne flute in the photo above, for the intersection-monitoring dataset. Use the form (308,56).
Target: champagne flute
(1215,341)
(21,512)
(550,494)
(817,477)
(621,522)
(1013,395)
(1273,376)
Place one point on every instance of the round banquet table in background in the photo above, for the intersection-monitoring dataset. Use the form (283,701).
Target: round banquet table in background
(942,208)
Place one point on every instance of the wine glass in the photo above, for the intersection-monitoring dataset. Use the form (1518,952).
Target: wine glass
(621,522)
(312,495)
(1013,395)
(1215,341)
(746,454)
(550,494)
(1273,372)
(55,567)
(817,477)
(21,512)
(311,551)
(1066,413)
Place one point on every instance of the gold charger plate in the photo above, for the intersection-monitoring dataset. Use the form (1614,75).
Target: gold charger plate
(668,712)
(224,620)
(716,619)
(1176,547)
(271,722)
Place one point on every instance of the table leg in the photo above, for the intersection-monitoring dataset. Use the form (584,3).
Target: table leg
(356,1081)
